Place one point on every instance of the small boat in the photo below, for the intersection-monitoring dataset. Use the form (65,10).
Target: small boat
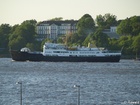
(53,52)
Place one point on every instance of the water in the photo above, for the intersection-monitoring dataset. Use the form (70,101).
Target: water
(51,83)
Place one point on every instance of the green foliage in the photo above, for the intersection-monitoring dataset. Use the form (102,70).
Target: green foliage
(129,26)
(5,30)
(14,28)
(114,44)
(126,42)
(104,22)
(136,44)
(85,26)
(100,39)
(124,27)
(30,46)
(130,44)
(87,40)
(32,22)
(60,40)
(22,34)
(135,23)
(17,43)
(72,39)
(57,19)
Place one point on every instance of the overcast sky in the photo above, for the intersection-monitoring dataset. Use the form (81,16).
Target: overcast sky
(16,11)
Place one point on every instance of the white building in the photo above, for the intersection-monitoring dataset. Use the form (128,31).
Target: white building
(51,29)
(111,32)
(113,29)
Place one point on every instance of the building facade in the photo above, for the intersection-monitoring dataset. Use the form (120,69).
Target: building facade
(111,32)
(52,29)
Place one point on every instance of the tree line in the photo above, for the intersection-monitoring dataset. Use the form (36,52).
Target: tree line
(91,31)
(88,31)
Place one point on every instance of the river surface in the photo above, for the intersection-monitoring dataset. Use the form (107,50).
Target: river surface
(52,83)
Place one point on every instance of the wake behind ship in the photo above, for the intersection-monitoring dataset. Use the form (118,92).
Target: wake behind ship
(53,52)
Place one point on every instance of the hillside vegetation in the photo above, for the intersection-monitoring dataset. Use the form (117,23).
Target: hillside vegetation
(88,31)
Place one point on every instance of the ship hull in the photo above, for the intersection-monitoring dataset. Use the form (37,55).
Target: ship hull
(25,56)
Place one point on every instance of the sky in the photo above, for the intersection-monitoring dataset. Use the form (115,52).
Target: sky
(16,11)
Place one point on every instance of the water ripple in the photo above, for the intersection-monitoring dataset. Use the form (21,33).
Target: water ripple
(51,83)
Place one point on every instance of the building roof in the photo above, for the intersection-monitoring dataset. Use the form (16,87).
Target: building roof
(50,22)
(112,35)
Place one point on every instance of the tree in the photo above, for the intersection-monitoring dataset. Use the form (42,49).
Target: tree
(129,26)
(71,39)
(27,31)
(135,24)
(136,44)
(85,26)
(100,21)
(126,43)
(57,19)
(60,40)
(30,46)
(124,27)
(32,22)
(114,44)
(88,40)
(104,22)
(17,43)
(100,39)
(5,30)
(14,28)
(22,34)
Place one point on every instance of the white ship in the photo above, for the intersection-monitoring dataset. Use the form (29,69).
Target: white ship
(60,53)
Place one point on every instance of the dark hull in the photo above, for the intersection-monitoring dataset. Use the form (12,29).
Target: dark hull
(25,56)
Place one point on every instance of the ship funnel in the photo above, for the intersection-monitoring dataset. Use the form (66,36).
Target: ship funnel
(90,45)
